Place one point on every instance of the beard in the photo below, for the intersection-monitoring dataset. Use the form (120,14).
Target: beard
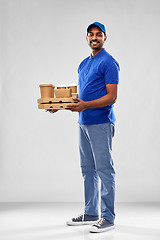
(95,48)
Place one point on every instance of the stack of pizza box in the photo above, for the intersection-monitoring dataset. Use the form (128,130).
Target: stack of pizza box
(58,98)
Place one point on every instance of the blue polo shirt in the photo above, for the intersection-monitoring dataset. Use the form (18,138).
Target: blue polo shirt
(94,73)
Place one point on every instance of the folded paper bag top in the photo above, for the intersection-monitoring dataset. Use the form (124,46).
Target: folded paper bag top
(63,93)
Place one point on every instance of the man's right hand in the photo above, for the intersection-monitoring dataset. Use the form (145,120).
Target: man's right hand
(51,110)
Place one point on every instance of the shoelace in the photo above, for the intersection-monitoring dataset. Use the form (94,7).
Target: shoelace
(79,217)
(100,222)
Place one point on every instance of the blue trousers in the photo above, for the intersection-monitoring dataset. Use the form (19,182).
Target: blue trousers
(95,146)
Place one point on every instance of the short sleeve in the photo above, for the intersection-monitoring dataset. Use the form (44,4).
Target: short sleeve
(111,73)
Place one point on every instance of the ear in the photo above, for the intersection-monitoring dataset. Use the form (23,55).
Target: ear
(105,38)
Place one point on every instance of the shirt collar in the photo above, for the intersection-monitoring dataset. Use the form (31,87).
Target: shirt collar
(98,54)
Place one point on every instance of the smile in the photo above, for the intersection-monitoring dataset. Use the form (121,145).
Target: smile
(94,42)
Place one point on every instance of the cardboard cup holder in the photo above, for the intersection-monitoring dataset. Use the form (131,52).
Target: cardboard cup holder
(63,96)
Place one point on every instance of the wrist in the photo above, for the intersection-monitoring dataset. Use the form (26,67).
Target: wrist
(86,105)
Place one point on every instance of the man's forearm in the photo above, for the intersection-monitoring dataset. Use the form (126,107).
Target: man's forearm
(107,99)
(101,102)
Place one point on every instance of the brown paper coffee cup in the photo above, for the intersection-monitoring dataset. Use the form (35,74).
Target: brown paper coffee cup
(73,88)
(47,90)
(61,87)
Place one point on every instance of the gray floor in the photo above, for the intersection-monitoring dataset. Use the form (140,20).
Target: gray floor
(47,221)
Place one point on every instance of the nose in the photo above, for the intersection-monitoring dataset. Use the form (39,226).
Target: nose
(94,37)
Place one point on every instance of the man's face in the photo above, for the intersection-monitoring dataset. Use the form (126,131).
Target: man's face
(96,38)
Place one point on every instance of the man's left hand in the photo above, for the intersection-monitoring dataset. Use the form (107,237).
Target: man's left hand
(77,107)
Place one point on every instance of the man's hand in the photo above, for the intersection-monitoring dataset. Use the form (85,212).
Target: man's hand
(51,110)
(77,107)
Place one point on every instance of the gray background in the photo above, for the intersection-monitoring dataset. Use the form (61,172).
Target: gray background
(43,41)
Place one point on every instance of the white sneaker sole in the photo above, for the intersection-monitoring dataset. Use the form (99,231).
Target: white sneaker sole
(97,230)
(70,223)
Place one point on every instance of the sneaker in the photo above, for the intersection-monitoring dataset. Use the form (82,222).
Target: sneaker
(102,225)
(82,219)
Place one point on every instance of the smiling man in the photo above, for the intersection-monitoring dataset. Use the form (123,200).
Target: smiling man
(98,80)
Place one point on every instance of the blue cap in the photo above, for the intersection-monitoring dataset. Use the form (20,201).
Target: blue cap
(97,24)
